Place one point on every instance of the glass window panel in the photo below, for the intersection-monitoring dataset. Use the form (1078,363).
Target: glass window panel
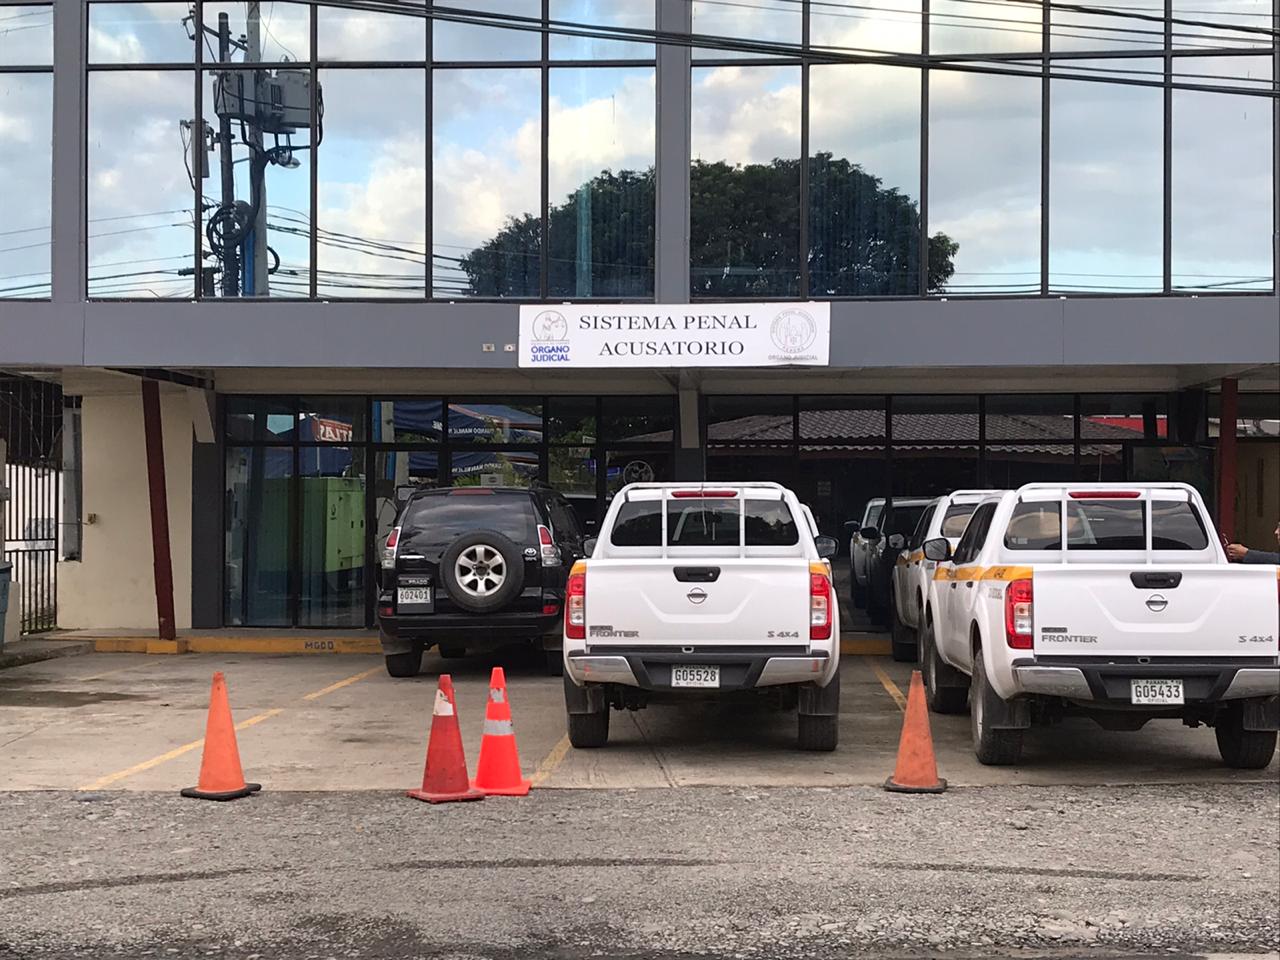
(984,174)
(495,420)
(934,418)
(280,266)
(639,419)
(1030,417)
(1123,417)
(750,420)
(372,185)
(961,26)
(1223,160)
(572,471)
(1244,23)
(414,420)
(142,33)
(842,418)
(600,182)
(635,466)
(26,171)
(1101,462)
(759,22)
(486,218)
(140,197)
(1106,194)
(932,470)
(1257,415)
(259,503)
(493,468)
(1010,465)
(572,420)
(26,36)
(864,182)
(331,419)
(1110,30)
(361,35)
(260,419)
(332,552)
(394,469)
(880,25)
(283,31)
(471,41)
(630,15)
(836,482)
(745,182)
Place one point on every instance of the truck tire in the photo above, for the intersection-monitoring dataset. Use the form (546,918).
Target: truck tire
(482,571)
(1240,748)
(994,748)
(819,733)
(589,730)
(946,689)
(903,638)
(401,665)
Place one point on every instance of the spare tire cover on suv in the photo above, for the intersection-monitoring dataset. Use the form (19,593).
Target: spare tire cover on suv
(483,571)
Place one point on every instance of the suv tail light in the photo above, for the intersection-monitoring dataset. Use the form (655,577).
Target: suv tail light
(575,604)
(550,552)
(1018,614)
(819,602)
(389,550)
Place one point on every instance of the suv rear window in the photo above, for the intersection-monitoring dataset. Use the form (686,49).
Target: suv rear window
(1034,526)
(1176,525)
(1091,525)
(956,519)
(439,518)
(704,523)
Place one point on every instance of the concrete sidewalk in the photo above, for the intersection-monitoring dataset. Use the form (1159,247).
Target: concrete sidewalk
(35,649)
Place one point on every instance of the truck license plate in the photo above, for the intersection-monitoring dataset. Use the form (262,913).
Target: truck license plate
(413,596)
(1160,692)
(690,676)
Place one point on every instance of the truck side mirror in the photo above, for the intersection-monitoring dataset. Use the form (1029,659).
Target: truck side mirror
(870,534)
(827,547)
(938,549)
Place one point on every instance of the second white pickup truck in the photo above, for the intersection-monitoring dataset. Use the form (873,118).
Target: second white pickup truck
(1111,600)
(703,590)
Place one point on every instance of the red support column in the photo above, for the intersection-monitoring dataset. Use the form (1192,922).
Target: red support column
(159,509)
(1227,459)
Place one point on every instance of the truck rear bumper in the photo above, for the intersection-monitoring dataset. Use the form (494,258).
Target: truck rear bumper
(1204,682)
(651,670)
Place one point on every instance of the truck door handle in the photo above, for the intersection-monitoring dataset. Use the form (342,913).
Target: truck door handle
(953,586)
(697,574)
(969,584)
(1145,580)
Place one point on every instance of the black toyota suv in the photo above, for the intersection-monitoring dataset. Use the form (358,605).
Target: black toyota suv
(473,568)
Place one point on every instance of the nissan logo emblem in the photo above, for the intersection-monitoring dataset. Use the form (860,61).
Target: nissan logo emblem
(1156,603)
(696,595)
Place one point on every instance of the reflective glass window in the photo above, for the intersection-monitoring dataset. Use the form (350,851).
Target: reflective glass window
(1109,29)
(864,183)
(493,468)
(140,196)
(141,33)
(635,466)
(362,35)
(486,217)
(259,505)
(26,173)
(890,25)
(572,471)
(1119,416)
(260,32)
(26,35)
(745,182)
(984,181)
(260,419)
(600,182)
(1243,23)
(934,418)
(748,22)
(1034,526)
(495,420)
(854,419)
(638,419)
(489,40)
(1176,525)
(372,185)
(750,420)
(572,420)
(961,26)
(932,469)
(1010,465)
(630,15)
(331,485)
(1106,525)
(1032,416)
(412,420)
(331,419)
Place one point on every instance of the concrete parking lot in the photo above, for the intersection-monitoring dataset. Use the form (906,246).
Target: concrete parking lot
(132,722)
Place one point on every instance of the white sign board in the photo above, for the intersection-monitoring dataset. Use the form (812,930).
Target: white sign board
(684,335)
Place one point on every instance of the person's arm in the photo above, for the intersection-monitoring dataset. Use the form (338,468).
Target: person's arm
(1260,556)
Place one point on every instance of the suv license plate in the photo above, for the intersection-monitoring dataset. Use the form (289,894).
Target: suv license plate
(1161,692)
(691,676)
(412,596)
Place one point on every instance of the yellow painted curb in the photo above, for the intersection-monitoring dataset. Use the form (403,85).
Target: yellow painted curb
(866,648)
(272,645)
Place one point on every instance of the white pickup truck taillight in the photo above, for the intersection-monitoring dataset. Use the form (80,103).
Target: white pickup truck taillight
(389,549)
(575,604)
(819,602)
(1018,610)
(550,552)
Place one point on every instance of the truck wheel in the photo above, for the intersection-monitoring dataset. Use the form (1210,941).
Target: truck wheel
(588,730)
(819,733)
(994,748)
(945,687)
(402,665)
(1241,748)
(903,637)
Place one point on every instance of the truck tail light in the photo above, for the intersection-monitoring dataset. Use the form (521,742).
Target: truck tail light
(1018,614)
(819,603)
(575,604)
(389,549)
(550,552)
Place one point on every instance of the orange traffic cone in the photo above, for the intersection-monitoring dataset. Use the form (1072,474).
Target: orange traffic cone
(498,771)
(445,776)
(220,775)
(917,770)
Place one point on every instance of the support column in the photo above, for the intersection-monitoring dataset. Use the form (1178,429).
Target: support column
(1228,414)
(67,233)
(671,213)
(163,564)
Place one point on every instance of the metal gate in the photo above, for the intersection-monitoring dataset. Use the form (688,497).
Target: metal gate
(31,426)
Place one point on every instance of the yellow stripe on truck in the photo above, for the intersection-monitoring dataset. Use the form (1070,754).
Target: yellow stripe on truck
(1008,573)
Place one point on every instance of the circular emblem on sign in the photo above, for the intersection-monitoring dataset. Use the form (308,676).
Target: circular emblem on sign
(550,325)
(793,331)
(637,471)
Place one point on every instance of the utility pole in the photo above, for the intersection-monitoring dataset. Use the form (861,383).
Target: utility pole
(256,243)
(230,258)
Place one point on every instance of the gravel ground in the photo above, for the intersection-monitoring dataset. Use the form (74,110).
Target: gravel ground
(657,873)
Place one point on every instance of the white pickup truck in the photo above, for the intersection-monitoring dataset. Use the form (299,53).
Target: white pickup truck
(1111,600)
(703,590)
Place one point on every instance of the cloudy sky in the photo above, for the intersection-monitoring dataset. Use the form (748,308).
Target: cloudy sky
(1105,203)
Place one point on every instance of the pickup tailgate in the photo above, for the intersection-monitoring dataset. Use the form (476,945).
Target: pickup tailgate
(1156,611)
(705,603)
